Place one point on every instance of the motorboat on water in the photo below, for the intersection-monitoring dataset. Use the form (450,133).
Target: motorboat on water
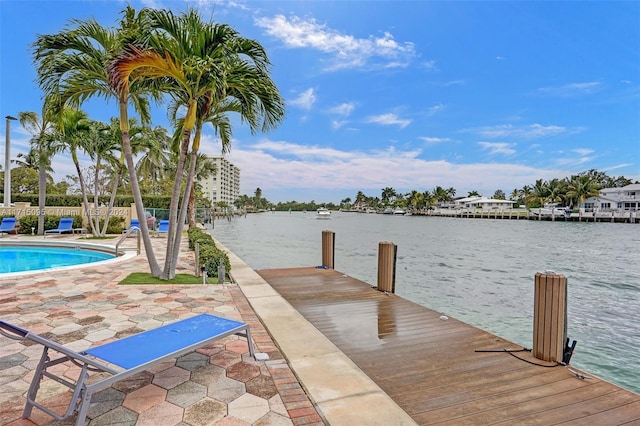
(323,213)
(551,210)
(398,211)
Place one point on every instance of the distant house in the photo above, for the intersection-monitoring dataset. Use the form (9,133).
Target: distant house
(483,203)
(624,198)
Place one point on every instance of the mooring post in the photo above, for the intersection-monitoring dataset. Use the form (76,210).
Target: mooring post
(387,252)
(549,316)
(328,248)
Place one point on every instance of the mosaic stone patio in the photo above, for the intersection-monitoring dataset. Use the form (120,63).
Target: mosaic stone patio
(219,384)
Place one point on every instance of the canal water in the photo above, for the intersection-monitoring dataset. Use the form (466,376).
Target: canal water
(480,271)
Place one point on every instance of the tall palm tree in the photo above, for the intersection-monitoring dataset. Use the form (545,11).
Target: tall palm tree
(195,61)
(72,67)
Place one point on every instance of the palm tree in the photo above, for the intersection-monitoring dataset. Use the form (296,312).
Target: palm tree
(557,190)
(387,194)
(151,168)
(42,150)
(539,192)
(582,187)
(72,132)
(72,67)
(196,62)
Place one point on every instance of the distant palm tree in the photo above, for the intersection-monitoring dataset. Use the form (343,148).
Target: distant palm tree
(539,193)
(582,187)
(42,150)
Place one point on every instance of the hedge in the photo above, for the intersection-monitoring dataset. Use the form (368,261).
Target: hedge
(210,255)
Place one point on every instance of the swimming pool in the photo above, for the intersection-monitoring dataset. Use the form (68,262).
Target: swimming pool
(23,258)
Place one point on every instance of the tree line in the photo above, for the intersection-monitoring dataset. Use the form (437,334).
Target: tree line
(569,191)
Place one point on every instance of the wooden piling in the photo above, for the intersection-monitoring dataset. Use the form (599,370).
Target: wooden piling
(328,248)
(387,252)
(549,316)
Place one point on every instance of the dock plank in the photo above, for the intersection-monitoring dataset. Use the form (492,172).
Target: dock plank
(431,368)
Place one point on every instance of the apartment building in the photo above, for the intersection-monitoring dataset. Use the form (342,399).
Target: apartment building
(224,184)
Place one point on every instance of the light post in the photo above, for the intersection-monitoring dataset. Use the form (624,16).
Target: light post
(7,163)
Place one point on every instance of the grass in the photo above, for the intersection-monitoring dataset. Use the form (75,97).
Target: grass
(146,278)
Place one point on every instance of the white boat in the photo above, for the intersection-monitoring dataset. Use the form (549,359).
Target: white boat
(398,211)
(550,210)
(323,213)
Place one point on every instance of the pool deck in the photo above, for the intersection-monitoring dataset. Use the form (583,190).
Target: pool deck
(218,384)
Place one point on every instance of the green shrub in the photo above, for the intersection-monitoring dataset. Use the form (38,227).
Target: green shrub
(115,226)
(211,256)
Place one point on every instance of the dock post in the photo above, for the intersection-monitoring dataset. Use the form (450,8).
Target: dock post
(387,252)
(549,316)
(328,248)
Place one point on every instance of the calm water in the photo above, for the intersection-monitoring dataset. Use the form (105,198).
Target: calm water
(479,271)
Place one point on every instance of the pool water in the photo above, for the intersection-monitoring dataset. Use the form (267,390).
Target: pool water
(31,258)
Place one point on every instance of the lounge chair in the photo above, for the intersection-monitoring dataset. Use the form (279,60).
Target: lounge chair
(134,226)
(8,226)
(65,225)
(120,358)
(163,227)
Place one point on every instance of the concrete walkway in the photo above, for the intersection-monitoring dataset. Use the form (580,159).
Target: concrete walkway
(218,384)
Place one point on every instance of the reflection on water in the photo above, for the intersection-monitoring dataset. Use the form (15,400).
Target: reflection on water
(477,270)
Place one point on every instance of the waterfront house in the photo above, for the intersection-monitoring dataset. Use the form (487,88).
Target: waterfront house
(483,203)
(626,198)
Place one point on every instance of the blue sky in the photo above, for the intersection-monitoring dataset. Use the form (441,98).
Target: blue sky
(472,95)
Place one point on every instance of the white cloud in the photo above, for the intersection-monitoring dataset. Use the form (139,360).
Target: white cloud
(498,148)
(583,151)
(428,139)
(343,109)
(304,100)
(531,131)
(571,89)
(435,109)
(389,119)
(345,51)
(287,168)
(336,124)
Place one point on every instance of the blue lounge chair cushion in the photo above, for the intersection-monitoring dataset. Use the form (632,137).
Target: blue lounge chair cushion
(163,227)
(8,225)
(65,225)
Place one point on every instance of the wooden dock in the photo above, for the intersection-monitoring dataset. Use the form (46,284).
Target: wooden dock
(431,366)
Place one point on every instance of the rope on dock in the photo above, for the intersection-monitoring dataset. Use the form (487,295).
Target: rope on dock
(511,352)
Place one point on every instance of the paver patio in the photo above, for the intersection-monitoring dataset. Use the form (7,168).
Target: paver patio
(218,384)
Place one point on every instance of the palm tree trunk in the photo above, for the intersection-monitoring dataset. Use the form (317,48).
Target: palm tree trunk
(135,191)
(83,190)
(96,198)
(183,209)
(112,199)
(42,195)
(192,207)
(174,225)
